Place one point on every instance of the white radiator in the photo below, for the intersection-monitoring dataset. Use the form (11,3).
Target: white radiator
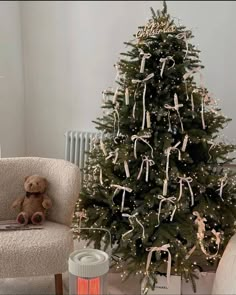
(77,144)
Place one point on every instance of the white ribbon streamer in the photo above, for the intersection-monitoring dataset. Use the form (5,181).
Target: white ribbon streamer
(80,215)
(202,114)
(117,67)
(188,74)
(113,154)
(125,189)
(188,180)
(168,152)
(131,220)
(163,61)
(144,82)
(213,145)
(175,108)
(148,119)
(223,182)
(135,138)
(116,117)
(148,162)
(102,146)
(100,173)
(163,248)
(164,199)
(144,57)
(183,36)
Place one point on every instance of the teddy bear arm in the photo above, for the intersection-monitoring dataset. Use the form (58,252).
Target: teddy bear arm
(47,203)
(18,202)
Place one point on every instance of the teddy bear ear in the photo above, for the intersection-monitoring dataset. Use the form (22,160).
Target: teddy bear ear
(26,177)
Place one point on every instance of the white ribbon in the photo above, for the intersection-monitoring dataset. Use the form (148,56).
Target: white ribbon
(113,154)
(102,146)
(148,119)
(188,74)
(126,166)
(192,101)
(131,218)
(175,108)
(144,57)
(164,199)
(213,145)
(188,180)
(167,152)
(223,181)
(80,215)
(165,187)
(125,189)
(163,61)
(116,117)
(141,137)
(100,173)
(148,162)
(183,36)
(144,81)
(163,248)
(202,113)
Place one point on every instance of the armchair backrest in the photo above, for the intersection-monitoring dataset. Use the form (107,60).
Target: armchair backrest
(64,185)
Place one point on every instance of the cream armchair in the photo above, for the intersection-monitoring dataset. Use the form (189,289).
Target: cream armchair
(43,251)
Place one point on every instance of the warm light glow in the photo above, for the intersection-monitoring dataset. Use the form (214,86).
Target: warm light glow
(88,286)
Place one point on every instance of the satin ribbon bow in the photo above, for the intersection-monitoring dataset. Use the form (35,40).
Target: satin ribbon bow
(144,57)
(163,61)
(168,152)
(183,36)
(144,82)
(164,248)
(174,108)
(113,154)
(164,199)
(148,162)
(188,180)
(125,189)
(131,218)
(135,138)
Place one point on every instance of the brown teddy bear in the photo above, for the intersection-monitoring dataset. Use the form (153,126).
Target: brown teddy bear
(34,204)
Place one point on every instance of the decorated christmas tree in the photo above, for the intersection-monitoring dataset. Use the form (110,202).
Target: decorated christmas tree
(156,179)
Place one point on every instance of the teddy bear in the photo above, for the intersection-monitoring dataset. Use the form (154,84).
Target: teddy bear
(34,204)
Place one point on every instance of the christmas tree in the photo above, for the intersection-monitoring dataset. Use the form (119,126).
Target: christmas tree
(157,179)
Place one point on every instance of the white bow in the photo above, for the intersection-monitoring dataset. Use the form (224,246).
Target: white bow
(113,154)
(183,36)
(164,199)
(163,61)
(144,57)
(188,180)
(144,82)
(148,162)
(223,181)
(141,137)
(167,152)
(125,189)
(163,248)
(131,217)
(174,108)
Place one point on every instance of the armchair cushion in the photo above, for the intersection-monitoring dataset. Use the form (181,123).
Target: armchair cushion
(35,252)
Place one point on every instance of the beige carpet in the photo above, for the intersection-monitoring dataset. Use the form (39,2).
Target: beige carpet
(45,285)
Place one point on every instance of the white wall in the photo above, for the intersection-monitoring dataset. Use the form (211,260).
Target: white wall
(11,81)
(69,52)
